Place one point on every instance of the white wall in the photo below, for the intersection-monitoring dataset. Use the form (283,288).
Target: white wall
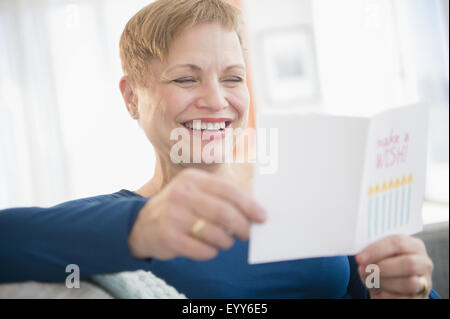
(360,56)
(64,129)
(106,150)
(357,53)
(263,17)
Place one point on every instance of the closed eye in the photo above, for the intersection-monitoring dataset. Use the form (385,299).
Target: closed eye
(188,80)
(234,79)
(185,80)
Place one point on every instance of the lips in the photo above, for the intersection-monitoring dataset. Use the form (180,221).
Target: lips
(208,124)
(208,128)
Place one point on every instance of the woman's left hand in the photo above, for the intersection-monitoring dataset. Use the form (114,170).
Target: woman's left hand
(403,263)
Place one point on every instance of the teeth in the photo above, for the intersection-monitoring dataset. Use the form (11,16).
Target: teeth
(198,125)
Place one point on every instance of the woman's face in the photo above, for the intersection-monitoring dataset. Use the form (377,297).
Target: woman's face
(203,79)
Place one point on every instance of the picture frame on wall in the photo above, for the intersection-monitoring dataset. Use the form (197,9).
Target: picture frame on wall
(288,60)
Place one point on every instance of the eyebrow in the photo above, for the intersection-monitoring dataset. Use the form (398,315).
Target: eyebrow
(197,68)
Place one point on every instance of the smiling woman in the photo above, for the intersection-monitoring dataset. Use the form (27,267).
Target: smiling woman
(183,63)
(201,78)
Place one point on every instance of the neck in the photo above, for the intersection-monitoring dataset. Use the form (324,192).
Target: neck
(165,171)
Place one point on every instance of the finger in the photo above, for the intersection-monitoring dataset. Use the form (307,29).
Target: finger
(408,286)
(405,266)
(388,247)
(383,294)
(230,193)
(215,236)
(190,247)
(221,213)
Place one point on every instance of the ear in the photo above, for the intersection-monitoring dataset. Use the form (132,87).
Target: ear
(129,94)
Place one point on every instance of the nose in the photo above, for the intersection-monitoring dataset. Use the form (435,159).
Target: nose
(212,97)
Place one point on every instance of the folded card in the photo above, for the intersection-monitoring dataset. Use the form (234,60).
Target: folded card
(341,182)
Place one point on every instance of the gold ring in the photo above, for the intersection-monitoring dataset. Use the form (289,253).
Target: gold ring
(424,290)
(197,228)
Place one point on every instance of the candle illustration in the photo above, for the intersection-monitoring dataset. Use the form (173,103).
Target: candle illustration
(369,209)
(396,186)
(377,191)
(390,187)
(383,221)
(410,181)
(402,212)
(389,205)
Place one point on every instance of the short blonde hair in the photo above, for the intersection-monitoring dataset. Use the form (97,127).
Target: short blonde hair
(149,32)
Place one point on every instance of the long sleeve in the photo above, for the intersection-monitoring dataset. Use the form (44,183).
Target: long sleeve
(38,243)
(356,288)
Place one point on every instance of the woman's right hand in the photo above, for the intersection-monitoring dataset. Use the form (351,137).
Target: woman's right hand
(163,228)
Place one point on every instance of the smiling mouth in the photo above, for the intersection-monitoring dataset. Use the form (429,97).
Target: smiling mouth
(207,126)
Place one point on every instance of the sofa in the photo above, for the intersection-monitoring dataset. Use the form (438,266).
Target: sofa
(435,237)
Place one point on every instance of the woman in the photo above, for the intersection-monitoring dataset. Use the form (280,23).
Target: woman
(189,224)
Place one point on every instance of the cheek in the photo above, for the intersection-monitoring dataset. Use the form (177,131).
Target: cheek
(240,99)
(176,102)
(159,114)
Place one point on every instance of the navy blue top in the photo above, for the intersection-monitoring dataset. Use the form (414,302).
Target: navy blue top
(38,243)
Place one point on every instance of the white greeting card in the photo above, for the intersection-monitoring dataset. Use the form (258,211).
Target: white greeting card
(340,183)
